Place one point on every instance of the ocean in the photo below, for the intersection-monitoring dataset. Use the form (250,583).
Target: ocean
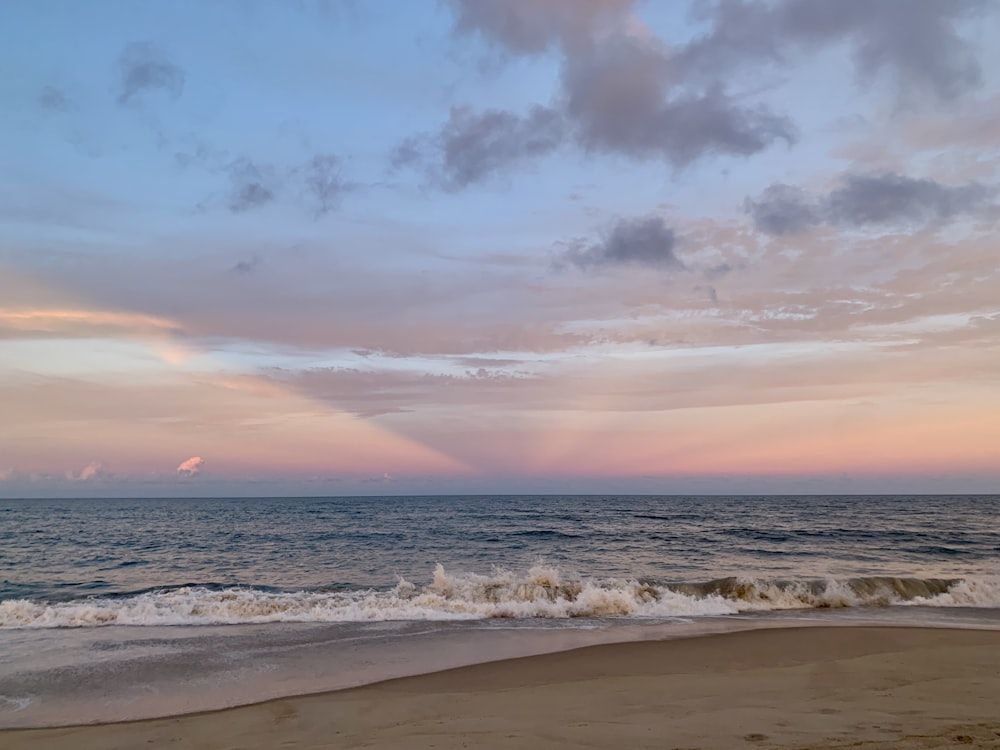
(116,609)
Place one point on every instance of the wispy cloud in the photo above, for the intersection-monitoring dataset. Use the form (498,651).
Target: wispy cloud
(144,68)
(251,185)
(914,43)
(54,99)
(535,26)
(473,146)
(324,182)
(67,320)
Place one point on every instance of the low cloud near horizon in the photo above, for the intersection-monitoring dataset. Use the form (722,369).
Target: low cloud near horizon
(191,467)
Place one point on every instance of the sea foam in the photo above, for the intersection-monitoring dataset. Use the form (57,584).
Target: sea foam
(540,592)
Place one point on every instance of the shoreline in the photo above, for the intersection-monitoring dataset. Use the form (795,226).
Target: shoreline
(803,684)
(92,676)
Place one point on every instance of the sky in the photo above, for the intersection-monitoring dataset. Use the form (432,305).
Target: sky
(252,247)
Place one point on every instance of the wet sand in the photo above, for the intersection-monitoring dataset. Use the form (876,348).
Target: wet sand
(867,687)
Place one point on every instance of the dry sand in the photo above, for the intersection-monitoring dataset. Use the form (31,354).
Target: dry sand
(800,687)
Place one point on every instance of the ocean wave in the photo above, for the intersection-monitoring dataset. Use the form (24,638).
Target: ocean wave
(540,592)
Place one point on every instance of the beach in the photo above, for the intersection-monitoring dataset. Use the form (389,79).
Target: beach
(499,621)
(874,687)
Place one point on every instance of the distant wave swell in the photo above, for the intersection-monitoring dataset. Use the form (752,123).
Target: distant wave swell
(540,592)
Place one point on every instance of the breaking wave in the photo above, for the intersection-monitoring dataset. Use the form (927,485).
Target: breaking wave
(540,592)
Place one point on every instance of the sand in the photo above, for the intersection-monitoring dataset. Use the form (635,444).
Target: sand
(799,687)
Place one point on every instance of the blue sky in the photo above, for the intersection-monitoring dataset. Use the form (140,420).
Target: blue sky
(499,246)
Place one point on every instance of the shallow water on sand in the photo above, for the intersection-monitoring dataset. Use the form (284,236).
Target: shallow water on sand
(54,677)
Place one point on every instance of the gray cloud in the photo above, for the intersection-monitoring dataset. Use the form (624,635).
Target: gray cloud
(645,241)
(193,151)
(409,152)
(915,42)
(532,26)
(783,209)
(252,183)
(252,186)
(864,200)
(247,266)
(145,68)
(472,146)
(620,96)
(623,92)
(324,183)
(54,99)
(617,95)
(619,107)
(886,198)
(740,31)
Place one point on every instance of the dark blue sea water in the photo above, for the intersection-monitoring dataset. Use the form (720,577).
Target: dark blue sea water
(123,609)
(172,561)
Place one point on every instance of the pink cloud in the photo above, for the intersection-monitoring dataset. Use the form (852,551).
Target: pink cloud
(191,467)
(90,471)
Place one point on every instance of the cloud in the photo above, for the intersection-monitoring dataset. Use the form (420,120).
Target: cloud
(474,145)
(408,152)
(191,467)
(53,99)
(254,183)
(247,266)
(619,107)
(783,209)
(643,241)
(886,198)
(324,183)
(623,91)
(252,186)
(864,200)
(144,68)
(533,26)
(914,42)
(617,85)
(70,322)
(90,471)
(616,95)
(6,474)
